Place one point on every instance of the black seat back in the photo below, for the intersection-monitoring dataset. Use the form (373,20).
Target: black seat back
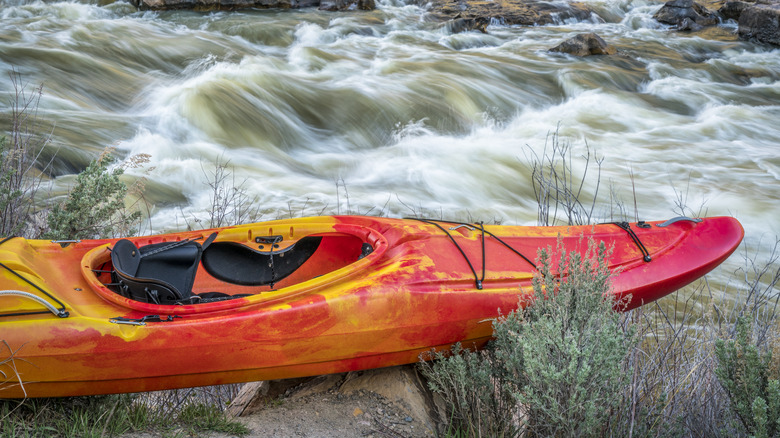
(160,273)
(238,264)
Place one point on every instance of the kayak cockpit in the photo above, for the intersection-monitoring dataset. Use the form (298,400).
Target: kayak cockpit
(215,270)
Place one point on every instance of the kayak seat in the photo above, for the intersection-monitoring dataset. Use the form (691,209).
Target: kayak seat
(160,273)
(239,264)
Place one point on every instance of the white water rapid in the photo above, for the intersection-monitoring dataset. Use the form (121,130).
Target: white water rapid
(383,112)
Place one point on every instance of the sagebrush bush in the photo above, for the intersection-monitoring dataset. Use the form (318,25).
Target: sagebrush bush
(556,368)
(752,381)
(95,206)
(479,402)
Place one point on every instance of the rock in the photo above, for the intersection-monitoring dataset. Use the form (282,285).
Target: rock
(400,385)
(165,4)
(263,4)
(233,4)
(317,385)
(675,11)
(334,5)
(585,44)
(761,22)
(344,5)
(508,12)
(253,396)
(732,10)
(689,25)
(459,25)
(366,5)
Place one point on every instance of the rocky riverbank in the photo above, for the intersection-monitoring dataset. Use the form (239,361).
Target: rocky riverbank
(758,20)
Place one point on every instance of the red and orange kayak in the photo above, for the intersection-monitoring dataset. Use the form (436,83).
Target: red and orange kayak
(293,298)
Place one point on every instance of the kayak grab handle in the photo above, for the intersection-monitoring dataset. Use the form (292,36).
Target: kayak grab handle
(52,309)
(463,226)
(679,219)
(64,243)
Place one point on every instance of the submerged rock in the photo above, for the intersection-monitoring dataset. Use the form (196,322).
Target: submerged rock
(585,44)
(676,11)
(459,25)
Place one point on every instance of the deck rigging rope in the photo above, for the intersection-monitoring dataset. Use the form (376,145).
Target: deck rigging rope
(465,257)
(627,228)
(481,227)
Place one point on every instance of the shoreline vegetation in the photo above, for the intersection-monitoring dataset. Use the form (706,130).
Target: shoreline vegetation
(702,365)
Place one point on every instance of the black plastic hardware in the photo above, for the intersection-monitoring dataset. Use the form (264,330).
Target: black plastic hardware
(365,250)
(143,320)
(269,240)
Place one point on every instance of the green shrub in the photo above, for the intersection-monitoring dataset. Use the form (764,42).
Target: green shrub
(751,381)
(95,206)
(557,368)
(478,401)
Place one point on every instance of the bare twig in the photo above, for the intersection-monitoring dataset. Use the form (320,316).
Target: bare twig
(21,167)
(556,187)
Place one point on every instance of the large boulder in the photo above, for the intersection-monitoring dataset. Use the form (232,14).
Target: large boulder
(676,11)
(585,44)
(400,385)
(761,22)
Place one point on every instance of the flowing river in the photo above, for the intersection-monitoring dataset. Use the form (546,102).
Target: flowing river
(385,112)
